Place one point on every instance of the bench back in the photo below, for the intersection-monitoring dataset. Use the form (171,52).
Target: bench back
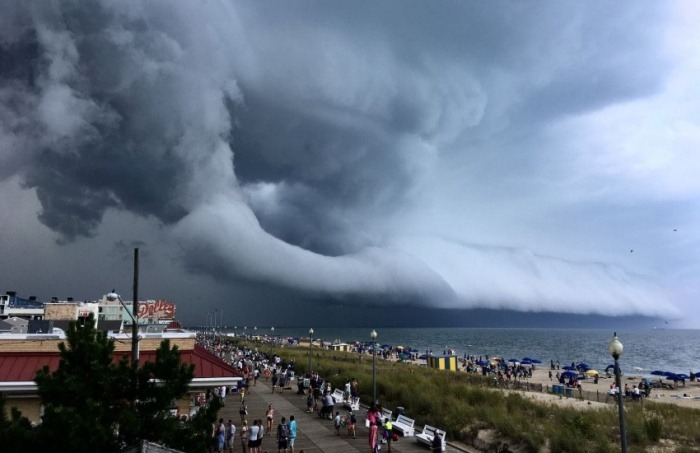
(431,430)
(402,419)
(386,413)
(337,395)
(427,429)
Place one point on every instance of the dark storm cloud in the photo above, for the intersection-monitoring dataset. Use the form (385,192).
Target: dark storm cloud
(297,144)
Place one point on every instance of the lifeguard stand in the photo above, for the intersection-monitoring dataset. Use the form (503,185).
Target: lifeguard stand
(445,362)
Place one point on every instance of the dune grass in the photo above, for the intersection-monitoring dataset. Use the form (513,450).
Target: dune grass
(463,404)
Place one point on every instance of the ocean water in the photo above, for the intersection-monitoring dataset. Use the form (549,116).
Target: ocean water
(668,350)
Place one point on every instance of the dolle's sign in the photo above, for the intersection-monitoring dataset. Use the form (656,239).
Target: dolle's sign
(156,309)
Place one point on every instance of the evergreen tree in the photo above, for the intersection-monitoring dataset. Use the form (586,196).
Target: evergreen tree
(15,430)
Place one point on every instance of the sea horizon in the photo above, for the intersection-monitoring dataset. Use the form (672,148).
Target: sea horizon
(645,350)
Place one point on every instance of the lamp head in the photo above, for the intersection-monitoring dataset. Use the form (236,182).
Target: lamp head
(311,331)
(112,296)
(615,347)
(373,334)
(272,328)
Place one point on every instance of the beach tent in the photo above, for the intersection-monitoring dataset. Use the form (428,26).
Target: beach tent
(530,359)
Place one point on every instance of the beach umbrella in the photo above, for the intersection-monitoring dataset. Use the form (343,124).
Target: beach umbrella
(582,366)
(682,376)
(658,373)
(423,357)
(591,373)
(568,368)
(483,363)
(535,361)
(567,374)
(697,375)
(526,362)
(610,367)
(514,360)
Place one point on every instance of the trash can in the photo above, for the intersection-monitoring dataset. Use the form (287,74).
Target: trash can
(558,389)
(569,393)
(399,410)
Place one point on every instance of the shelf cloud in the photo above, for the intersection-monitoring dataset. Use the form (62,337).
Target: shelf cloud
(460,156)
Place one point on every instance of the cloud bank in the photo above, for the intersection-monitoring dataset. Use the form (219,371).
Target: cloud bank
(398,152)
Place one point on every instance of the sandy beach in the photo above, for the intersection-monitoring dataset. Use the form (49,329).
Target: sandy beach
(540,375)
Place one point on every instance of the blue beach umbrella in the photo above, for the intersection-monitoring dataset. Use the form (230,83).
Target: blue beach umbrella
(583,366)
(513,360)
(526,362)
(682,376)
(535,361)
(658,373)
(423,357)
(567,374)
(610,367)
(483,363)
(568,368)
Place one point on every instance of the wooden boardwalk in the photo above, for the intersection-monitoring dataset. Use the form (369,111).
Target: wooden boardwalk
(313,433)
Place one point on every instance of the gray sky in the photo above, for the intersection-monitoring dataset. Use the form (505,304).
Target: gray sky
(537,156)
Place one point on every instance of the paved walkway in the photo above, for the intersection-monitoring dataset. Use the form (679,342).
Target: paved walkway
(314,434)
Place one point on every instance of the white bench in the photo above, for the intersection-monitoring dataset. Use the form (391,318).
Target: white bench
(386,413)
(428,434)
(404,425)
(353,404)
(337,396)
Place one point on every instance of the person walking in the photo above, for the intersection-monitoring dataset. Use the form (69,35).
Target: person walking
(436,446)
(244,436)
(282,436)
(388,433)
(253,433)
(270,415)
(230,436)
(220,435)
(374,436)
(351,422)
(292,433)
(274,380)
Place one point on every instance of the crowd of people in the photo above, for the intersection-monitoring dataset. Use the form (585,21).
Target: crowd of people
(255,364)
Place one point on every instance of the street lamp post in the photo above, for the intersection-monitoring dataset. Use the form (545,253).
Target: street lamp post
(134,346)
(206,329)
(272,339)
(216,310)
(311,339)
(615,349)
(374,365)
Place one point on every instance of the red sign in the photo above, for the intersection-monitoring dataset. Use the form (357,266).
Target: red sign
(156,309)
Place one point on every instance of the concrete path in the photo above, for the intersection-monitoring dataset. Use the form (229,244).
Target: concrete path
(314,434)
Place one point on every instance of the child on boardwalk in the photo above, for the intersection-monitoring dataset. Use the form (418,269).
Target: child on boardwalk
(337,422)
